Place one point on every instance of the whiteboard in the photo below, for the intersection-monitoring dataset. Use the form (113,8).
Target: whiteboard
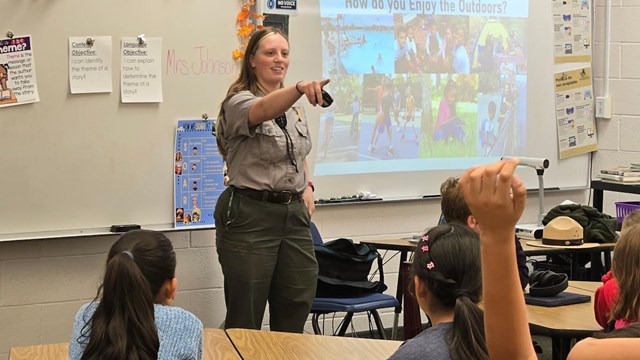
(89,161)
(364,175)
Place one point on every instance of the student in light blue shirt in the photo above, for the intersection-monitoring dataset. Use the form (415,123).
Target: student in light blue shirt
(132,317)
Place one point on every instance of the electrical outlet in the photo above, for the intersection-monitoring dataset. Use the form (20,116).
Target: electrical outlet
(603,107)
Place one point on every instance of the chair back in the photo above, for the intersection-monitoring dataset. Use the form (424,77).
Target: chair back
(315,234)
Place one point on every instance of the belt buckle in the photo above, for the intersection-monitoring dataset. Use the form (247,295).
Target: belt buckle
(290,196)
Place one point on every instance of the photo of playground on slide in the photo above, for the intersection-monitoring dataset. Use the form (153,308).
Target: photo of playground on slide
(420,91)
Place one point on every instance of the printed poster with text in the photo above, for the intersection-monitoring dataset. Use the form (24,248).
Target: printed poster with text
(90,64)
(17,72)
(198,173)
(574,112)
(141,73)
(572,31)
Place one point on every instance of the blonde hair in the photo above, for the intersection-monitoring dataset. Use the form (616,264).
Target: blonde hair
(626,269)
(631,219)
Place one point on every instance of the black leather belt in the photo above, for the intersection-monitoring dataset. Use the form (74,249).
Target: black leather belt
(276,197)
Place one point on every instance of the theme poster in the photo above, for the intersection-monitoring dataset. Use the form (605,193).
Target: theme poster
(198,177)
(574,112)
(17,72)
(572,31)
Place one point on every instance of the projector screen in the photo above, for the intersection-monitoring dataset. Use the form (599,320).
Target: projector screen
(425,89)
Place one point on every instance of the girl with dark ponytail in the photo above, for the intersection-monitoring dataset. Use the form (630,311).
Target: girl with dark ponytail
(131,316)
(448,286)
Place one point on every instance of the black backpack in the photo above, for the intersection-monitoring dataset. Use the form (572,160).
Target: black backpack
(343,269)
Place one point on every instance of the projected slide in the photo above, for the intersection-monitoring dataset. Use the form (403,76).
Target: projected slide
(422,85)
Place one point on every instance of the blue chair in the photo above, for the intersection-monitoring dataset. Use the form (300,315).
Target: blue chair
(369,302)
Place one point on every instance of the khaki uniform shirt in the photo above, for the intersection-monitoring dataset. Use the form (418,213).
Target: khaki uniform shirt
(257,157)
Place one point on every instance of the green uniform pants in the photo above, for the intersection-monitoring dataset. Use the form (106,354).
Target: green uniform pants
(267,255)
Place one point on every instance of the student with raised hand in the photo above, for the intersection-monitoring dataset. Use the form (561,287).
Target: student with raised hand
(607,294)
(448,286)
(131,316)
(497,198)
(455,209)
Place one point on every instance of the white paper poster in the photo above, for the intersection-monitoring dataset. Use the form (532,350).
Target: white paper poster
(572,31)
(574,112)
(90,64)
(141,75)
(17,72)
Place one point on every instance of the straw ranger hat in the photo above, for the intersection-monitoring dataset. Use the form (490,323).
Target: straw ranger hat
(563,231)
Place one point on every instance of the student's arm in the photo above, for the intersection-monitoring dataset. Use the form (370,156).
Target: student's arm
(610,349)
(279,101)
(497,199)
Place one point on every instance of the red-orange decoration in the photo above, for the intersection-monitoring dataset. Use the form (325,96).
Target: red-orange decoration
(246,21)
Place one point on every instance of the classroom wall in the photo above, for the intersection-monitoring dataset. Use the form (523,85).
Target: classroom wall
(619,137)
(43,282)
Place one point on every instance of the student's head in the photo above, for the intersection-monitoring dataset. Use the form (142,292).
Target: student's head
(140,271)
(195,150)
(448,282)
(492,109)
(401,36)
(453,205)
(450,92)
(459,36)
(630,220)
(625,266)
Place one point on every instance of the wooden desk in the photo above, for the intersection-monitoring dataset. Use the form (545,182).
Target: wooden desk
(41,352)
(218,346)
(256,345)
(404,246)
(565,323)
(597,268)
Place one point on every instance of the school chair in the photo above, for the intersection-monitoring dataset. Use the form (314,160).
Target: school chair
(369,303)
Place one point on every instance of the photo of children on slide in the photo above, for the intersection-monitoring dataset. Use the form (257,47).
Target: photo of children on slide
(433,86)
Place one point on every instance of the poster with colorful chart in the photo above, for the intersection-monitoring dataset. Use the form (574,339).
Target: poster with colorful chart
(198,178)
